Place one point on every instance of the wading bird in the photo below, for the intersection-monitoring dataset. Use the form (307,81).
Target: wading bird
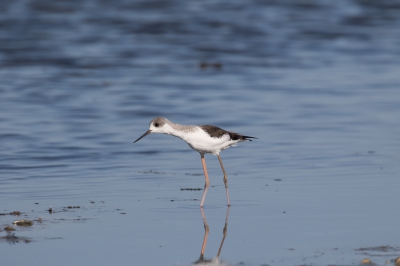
(203,139)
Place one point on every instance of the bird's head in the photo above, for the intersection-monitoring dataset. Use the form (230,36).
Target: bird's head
(157,125)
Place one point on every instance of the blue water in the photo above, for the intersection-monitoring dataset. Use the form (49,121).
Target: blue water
(316,81)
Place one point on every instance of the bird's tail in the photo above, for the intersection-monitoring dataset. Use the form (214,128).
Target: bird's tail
(248,138)
(237,136)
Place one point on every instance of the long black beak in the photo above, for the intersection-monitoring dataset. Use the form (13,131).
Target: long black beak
(144,135)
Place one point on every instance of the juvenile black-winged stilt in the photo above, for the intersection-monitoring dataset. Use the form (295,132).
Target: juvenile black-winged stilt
(203,139)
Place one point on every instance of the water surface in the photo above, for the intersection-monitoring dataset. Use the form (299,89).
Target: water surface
(316,81)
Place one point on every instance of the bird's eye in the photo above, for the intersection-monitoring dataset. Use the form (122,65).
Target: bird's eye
(156,124)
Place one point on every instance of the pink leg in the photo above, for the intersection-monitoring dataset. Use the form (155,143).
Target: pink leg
(206,231)
(225,231)
(225,179)
(207,184)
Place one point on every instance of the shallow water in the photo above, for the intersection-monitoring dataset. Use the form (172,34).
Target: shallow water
(316,82)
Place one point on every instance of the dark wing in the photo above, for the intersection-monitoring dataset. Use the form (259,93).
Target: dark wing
(217,132)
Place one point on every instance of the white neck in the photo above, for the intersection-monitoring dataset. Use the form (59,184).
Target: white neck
(177,130)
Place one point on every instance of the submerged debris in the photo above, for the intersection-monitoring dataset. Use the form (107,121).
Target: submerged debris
(379,248)
(152,172)
(11,238)
(367,261)
(23,222)
(15,213)
(204,65)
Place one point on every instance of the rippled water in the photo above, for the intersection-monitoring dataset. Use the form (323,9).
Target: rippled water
(316,81)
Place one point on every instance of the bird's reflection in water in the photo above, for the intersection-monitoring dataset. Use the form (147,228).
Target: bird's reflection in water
(213,261)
